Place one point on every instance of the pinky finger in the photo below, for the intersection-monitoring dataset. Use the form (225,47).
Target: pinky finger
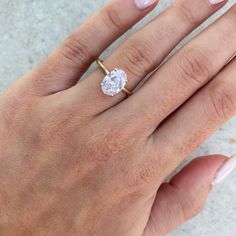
(186,194)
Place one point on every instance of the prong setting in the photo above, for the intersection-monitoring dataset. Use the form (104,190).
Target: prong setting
(114,82)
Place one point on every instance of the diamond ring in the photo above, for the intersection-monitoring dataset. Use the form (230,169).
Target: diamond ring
(114,82)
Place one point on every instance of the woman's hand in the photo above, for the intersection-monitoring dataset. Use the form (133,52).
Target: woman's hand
(77,162)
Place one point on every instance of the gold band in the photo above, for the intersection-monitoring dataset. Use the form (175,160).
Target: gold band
(101,66)
(127,91)
(106,72)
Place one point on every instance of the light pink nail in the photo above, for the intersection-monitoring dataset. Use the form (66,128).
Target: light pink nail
(225,170)
(214,2)
(143,4)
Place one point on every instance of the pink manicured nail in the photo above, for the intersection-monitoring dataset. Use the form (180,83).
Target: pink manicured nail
(225,170)
(143,4)
(214,2)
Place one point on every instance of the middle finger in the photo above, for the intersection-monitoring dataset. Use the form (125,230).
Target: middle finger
(185,73)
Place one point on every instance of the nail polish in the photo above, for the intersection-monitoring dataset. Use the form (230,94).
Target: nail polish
(214,2)
(225,170)
(143,4)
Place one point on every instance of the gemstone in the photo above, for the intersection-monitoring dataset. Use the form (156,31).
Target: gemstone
(114,82)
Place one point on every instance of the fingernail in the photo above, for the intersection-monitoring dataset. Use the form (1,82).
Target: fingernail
(143,4)
(225,170)
(214,2)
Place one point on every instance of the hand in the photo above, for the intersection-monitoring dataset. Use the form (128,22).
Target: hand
(75,161)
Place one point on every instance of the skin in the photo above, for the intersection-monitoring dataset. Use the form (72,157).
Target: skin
(76,162)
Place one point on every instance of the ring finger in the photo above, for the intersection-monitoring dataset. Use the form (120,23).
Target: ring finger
(63,68)
(143,52)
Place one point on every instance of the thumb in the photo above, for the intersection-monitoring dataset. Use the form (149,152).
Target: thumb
(186,194)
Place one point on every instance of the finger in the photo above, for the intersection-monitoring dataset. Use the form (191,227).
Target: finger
(200,117)
(145,50)
(185,195)
(68,63)
(186,72)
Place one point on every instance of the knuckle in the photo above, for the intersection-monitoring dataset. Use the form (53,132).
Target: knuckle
(112,19)
(76,49)
(193,68)
(17,105)
(222,102)
(186,13)
(58,123)
(147,173)
(56,129)
(106,145)
(15,110)
(137,57)
(167,152)
(12,103)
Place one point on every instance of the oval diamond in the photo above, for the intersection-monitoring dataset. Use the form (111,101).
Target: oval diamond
(114,82)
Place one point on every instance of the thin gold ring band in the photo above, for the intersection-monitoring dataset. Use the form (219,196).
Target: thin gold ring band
(106,72)
(102,67)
